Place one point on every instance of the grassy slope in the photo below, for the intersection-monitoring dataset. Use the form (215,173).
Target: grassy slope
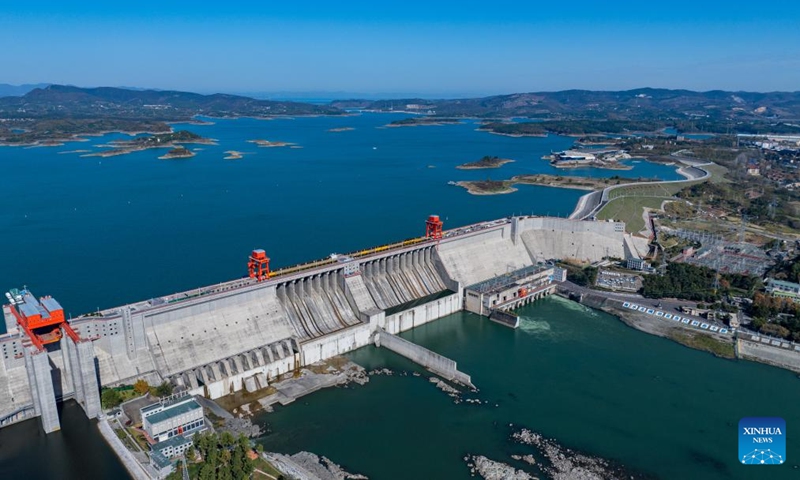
(629,210)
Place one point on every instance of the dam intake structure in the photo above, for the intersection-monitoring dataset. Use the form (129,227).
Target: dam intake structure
(246,333)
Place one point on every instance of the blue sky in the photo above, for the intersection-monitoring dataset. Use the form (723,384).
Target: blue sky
(430,48)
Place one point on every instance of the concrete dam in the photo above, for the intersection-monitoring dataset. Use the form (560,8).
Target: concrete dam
(245,333)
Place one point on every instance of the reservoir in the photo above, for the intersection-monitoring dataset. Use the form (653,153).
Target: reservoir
(97,232)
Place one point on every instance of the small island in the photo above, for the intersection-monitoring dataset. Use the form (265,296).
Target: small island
(271,144)
(424,121)
(341,129)
(607,159)
(496,187)
(160,140)
(485,162)
(233,155)
(178,152)
(488,187)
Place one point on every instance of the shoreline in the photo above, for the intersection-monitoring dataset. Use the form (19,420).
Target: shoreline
(270,144)
(599,166)
(473,190)
(473,165)
(546,180)
(514,135)
(122,149)
(728,347)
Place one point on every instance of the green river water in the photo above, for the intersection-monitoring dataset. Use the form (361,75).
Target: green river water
(570,373)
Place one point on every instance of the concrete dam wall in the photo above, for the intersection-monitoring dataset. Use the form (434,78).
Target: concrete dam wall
(217,339)
(317,305)
(402,278)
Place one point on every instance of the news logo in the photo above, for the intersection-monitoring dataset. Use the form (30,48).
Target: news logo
(762,441)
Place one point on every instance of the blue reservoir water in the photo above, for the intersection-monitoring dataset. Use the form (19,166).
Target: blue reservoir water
(98,232)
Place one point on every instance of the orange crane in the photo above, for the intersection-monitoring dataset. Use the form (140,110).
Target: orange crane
(42,320)
(433,227)
(258,265)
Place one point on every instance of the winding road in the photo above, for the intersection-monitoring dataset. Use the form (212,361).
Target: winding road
(591,203)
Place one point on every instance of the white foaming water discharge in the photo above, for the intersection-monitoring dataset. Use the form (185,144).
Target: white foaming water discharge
(534,326)
(575,306)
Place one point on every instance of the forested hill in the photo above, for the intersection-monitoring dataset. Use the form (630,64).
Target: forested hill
(60,100)
(639,104)
(57,112)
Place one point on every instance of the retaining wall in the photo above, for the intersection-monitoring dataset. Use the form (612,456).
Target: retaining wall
(432,361)
(422,314)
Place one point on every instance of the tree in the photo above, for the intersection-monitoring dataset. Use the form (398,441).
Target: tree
(775,330)
(110,398)
(141,386)
(207,472)
(164,390)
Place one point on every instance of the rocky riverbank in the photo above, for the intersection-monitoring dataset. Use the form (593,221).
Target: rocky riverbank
(492,470)
(308,466)
(567,464)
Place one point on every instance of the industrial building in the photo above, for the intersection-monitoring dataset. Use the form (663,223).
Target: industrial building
(573,158)
(174,417)
(510,291)
(244,334)
(784,289)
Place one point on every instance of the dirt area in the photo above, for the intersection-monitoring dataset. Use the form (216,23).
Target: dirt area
(241,398)
(131,408)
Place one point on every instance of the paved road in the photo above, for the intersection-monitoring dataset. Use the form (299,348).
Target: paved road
(667,304)
(591,203)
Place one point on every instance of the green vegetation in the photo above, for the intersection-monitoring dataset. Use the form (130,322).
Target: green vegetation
(125,440)
(221,456)
(179,152)
(163,390)
(485,162)
(110,398)
(408,122)
(262,465)
(55,129)
(583,276)
(140,439)
(113,397)
(785,315)
(704,343)
(629,210)
(488,186)
(764,205)
(60,112)
(166,138)
(573,127)
(141,387)
(691,282)
(663,190)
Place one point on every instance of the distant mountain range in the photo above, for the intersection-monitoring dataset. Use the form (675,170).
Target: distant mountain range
(639,104)
(7,90)
(165,105)
(52,112)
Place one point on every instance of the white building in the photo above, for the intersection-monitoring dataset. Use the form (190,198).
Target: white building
(177,416)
